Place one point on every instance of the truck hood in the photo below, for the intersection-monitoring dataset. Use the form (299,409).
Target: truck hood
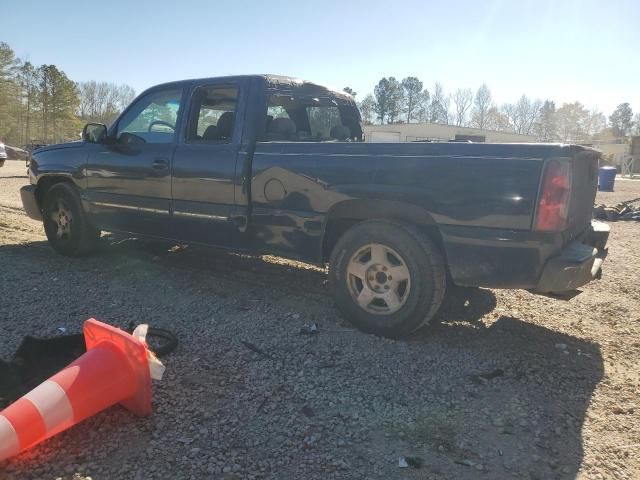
(58,146)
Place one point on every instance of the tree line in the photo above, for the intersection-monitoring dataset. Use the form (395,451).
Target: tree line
(42,104)
(408,101)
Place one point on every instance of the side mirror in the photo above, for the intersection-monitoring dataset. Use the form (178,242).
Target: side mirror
(94,133)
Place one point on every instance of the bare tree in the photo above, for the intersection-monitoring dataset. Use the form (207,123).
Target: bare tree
(527,112)
(522,115)
(126,94)
(103,101)
(367,109)
(509,112)
(595,123)
(572,119)
(546,127)
(439,106)
(462,100)
(422,107)
(621,120)
(496,120)
(481,105)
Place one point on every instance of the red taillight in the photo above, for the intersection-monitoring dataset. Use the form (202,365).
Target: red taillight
(553,207)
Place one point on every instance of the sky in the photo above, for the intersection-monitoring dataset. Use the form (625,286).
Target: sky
(564,50)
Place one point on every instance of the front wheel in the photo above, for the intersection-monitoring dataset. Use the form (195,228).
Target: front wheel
(387,277)
(65,223)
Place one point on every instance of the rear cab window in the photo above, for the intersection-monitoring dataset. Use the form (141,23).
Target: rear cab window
(310,116)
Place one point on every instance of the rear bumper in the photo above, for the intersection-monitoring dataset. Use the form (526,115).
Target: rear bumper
(577,264)
(30,202)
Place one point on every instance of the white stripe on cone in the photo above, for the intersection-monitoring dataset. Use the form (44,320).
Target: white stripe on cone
(53,404)
(9,443)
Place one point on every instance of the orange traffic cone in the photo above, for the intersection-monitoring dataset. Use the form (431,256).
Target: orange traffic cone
(115,369)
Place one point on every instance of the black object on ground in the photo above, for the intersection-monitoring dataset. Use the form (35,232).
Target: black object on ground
(485,377)
(40,358)
(311,329)
(622,211)
(415,462)
(253,348)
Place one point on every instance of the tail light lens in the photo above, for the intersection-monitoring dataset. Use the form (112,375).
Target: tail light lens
(553,207)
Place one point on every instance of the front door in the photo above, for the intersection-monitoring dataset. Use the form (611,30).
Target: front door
(204,171)
(129,178)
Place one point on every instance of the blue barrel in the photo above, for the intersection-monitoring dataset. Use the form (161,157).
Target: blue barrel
(606,178)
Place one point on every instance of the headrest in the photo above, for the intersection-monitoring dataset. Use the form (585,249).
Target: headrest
(340,132)
(282,128)
(225,125)
(211,133)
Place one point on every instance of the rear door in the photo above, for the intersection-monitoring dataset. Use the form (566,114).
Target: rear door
(205,170)
(129,179)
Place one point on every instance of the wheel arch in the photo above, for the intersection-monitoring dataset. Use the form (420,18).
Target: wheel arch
(45,182)
(348,213)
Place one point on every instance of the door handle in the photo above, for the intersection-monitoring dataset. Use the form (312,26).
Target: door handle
(160,164)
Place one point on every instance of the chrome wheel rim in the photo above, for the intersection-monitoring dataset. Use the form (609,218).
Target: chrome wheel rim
(378,278)
(62,219)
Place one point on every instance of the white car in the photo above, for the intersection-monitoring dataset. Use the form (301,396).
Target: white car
(3,154)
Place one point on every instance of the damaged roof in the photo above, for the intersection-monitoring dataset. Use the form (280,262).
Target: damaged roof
(281,81)
(275,82)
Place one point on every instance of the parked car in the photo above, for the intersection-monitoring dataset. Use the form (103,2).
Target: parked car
(3,154)
(270,164)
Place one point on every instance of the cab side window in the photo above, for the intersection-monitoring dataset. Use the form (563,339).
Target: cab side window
(213,114)
(152,119)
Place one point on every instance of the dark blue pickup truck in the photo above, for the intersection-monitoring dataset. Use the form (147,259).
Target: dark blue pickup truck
(270,164)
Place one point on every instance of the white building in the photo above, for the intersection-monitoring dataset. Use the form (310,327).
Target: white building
(412,132)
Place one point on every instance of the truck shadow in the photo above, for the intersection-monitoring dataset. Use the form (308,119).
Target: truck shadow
(528,390)
(460,303)
(465,304)
(470,390)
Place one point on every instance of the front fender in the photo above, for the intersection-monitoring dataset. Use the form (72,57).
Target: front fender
(68,161)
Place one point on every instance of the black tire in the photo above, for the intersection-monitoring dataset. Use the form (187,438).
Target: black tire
(161,341)
(423,291)
(79,237)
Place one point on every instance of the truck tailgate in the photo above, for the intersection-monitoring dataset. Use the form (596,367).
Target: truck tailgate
(583,190)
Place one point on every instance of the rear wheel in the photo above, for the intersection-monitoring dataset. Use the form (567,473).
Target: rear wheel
(65,223)
(387,277)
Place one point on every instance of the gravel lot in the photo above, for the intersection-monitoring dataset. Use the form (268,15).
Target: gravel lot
(562,401)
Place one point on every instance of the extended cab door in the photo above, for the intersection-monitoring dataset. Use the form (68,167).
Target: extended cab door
(129,178)
(205,171)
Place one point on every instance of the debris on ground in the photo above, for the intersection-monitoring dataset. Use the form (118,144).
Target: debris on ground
(310,329)
(116,368)
(255,349)
(37,359)
(413,462)
(485,377)
(628,210)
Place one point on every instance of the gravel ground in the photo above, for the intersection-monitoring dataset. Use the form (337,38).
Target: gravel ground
(504,384)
